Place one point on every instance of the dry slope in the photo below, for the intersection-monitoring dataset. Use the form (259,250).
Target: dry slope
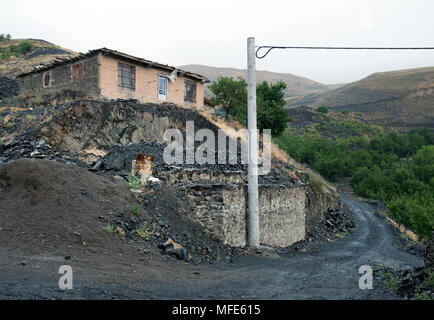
(296,85)
(403,98)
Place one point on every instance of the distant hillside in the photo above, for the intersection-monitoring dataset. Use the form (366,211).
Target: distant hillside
(296,85)
(42,53)
(403,98)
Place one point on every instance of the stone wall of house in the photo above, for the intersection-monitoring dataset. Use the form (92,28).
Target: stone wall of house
(220,207)
(61,79)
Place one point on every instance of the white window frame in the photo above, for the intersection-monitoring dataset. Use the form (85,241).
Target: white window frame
(162,96)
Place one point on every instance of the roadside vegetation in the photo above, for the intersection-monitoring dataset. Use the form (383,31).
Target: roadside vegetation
(395,168)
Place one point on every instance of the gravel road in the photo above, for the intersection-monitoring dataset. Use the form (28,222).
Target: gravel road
(328,273)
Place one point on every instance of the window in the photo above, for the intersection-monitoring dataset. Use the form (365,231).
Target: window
(190,91)
(162,87)
(77,72)
(126,76)
(46,79)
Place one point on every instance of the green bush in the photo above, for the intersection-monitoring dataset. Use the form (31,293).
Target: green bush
(322,109)
(397,169)
(23,48)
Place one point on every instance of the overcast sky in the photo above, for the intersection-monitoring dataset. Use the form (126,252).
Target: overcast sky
(214,32)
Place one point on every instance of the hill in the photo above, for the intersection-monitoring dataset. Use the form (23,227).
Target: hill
(296,85)
(41,53)
(403,98)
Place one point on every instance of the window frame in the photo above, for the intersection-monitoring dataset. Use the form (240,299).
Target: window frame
(122,70)
(161,95)
(72,71)
(186,96)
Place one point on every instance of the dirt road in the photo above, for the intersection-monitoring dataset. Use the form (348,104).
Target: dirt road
(331,272)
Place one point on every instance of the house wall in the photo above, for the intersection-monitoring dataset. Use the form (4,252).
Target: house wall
(146,89)
(61,79)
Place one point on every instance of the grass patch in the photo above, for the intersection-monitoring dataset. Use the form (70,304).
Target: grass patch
(429,280)
(133,182)
(390,280)
(143,232)
(135,210)
(343,235)
(109,229)
(420,295)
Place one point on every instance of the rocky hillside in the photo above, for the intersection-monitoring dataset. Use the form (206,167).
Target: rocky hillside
(41,53)
(403,98)
(296,85)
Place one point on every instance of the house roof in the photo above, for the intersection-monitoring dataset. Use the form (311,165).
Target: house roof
(116,54)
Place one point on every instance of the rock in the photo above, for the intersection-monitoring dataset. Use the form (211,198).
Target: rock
(97,166)
(173,248)
(114,164)
(181,253)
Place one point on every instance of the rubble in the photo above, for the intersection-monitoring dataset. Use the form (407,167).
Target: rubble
(8,87)
(70,133)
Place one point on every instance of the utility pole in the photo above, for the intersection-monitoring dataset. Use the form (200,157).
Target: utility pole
(253,210)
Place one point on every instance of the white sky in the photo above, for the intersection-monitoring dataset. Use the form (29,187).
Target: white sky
(215,32)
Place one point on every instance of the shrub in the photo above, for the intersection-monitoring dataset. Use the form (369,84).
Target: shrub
(109,229)
(25,47)
(133,182)
(143,232)
(322,109)
(135,210)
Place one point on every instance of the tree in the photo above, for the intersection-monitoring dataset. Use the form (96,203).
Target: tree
(322,109)
(25,47)
(270,113)
(231,95)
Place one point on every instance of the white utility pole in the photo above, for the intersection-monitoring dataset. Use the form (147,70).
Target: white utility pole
(253,212)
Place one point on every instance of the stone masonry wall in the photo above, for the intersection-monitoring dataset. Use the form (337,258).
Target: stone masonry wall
(220,207)
(61,79)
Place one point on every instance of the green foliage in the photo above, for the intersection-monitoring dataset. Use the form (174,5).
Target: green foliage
(143,232)
(232,96)
(23,48)
(420,295)
(271,114)
(397,169)
(133,182)
(345,112)
(135,210)
(4,37)
(322,109)
(109,229)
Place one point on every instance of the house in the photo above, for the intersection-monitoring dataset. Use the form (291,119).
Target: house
(112,74)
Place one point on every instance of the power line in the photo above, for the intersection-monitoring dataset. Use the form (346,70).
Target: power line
(335,48)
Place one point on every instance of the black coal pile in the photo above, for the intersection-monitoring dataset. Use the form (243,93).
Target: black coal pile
(45,51)
(119,161)
(338,222)
(415,283)
(37,149)
(163,216)
(8,87)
